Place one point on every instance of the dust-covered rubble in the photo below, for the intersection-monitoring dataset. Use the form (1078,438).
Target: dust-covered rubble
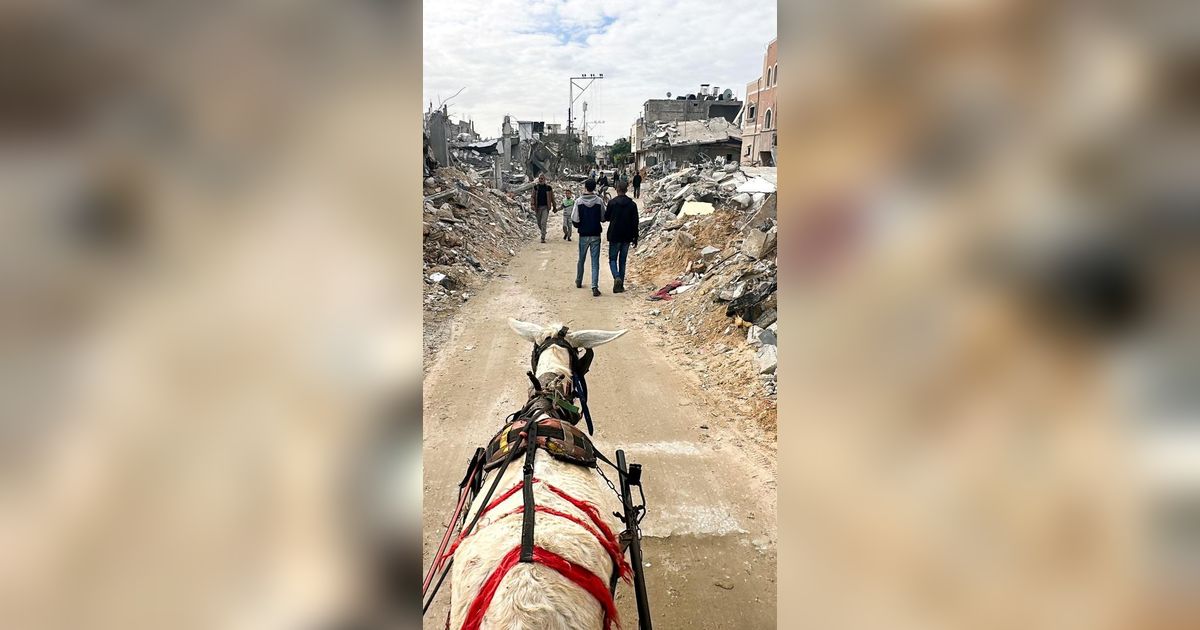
(708,246)
(469,231)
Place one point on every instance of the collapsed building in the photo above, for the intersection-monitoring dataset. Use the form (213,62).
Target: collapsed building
(645,139)
(524,150)
(670,145)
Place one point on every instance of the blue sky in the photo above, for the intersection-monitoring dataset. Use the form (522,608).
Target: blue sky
(516,56)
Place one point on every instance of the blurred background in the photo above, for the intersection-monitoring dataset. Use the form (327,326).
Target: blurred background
(989,248)
(209,335)
(209,352)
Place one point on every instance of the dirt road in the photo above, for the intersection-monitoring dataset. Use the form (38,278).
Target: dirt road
(709,535)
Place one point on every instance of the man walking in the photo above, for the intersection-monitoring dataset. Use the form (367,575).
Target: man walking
(637,185)
(543,198)
(587,214)
(622,217)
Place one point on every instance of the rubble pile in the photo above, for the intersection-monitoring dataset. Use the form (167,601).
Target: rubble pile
(469,230)
(708,246)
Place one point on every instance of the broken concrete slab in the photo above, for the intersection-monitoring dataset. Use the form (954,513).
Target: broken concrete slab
(758,336)
(767,359)
(709,253)
(758,243)
(731,292)
(696,209)
(756,185)
(766,210)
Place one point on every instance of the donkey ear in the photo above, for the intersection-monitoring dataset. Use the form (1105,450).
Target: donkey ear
(592,338)
(529,331)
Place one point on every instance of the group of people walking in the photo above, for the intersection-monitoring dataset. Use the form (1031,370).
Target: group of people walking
(588,212)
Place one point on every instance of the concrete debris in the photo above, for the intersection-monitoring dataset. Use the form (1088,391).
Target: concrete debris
(470,230)
(693,132)
(729,283)
(697,209)
(757,185)
(759,242)
(758,336)
(732,292)
(767,358)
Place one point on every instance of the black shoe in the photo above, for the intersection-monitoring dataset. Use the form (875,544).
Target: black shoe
(595,292)
(619,286)
(543,239)
(578,284)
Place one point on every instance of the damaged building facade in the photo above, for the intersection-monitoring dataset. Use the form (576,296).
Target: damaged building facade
(671,145)
(760,120)
(693,128)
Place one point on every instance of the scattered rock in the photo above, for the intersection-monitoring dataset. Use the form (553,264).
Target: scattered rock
(732,292)
(767,359)
(759,243)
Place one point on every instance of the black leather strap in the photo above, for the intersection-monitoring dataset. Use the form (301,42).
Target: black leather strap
(527,495)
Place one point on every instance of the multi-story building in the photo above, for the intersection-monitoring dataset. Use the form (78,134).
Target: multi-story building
(760,118)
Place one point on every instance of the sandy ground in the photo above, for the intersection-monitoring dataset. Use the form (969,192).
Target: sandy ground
(709,536)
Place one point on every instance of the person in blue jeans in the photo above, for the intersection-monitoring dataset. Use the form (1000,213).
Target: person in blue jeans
(586,215)
(622,217)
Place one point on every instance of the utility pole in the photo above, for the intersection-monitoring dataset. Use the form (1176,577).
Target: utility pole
(590,78)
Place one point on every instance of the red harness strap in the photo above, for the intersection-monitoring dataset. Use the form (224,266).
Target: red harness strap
(610,544)
(607,540)
(581,576)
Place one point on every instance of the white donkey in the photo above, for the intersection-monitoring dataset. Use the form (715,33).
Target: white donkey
(566,586)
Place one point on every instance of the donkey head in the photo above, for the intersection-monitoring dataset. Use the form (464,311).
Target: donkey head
(556,359)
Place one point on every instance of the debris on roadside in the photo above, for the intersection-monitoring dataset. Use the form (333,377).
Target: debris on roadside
(709,247)
(469,230)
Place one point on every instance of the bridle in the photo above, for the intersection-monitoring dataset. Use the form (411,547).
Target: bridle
(579,368)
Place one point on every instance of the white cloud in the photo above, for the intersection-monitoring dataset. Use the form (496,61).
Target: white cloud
(515,56)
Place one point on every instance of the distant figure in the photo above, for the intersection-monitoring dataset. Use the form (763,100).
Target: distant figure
(602,185)
(592,175)
(637,185)
(543,199)
(622,217)
(586,215)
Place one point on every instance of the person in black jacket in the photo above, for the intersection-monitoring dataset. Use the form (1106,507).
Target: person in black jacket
(637,185)
(622,217)
(587,214)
